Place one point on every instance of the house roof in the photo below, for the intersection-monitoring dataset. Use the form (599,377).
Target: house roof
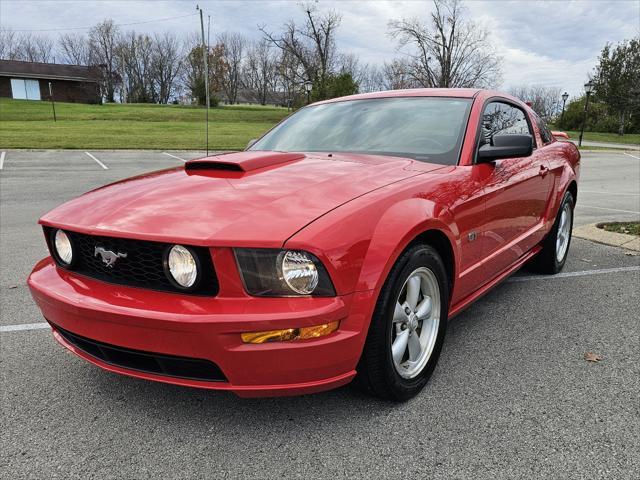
(50,71)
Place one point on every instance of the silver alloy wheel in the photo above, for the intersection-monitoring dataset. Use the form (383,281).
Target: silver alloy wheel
(415,323)
(564,232)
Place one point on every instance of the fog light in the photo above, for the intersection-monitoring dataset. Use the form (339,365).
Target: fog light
(63,247)
(289,334)
(182,267)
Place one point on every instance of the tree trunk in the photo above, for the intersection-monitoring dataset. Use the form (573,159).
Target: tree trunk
(621,125)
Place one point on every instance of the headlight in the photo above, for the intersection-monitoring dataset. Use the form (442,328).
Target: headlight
(63,248)
(182,267)
(281,273)
(299,272)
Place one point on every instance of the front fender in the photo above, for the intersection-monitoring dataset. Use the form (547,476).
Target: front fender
(397,228)
(360,241)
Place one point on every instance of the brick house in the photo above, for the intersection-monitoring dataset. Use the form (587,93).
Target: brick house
(30,81)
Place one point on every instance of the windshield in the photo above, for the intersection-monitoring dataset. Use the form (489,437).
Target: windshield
(428,129)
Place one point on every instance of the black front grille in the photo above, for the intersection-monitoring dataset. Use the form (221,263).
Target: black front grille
(142,267)
(160,364)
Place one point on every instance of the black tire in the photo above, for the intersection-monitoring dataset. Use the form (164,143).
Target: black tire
(377,373)
(547,260)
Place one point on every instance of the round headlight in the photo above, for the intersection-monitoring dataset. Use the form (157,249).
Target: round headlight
(183,267)
(63,247)
(299,272)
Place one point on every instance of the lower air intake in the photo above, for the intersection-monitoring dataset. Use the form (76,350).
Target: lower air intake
(158,363)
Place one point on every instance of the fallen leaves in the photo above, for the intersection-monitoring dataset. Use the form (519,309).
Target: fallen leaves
(592,357)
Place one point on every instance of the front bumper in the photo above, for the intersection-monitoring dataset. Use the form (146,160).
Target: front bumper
(208,328)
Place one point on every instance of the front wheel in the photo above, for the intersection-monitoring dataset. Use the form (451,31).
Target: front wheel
(407,328)
(555,247)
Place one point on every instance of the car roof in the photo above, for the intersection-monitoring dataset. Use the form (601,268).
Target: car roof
(410,92)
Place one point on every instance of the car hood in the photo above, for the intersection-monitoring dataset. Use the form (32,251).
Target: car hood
(239,199)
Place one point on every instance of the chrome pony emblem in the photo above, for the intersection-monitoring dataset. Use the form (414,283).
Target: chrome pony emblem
(109,258)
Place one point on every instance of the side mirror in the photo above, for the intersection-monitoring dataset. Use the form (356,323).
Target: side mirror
(505,146)
(560,135)
(251,142)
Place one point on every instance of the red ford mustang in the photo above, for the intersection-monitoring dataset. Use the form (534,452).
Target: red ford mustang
(336,247)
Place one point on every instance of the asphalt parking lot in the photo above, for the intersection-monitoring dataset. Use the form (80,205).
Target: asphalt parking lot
(512,397)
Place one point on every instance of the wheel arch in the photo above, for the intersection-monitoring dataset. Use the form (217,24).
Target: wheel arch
(573,188)
(421,221)
(441,243)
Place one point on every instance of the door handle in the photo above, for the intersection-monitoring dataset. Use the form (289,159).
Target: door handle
(543,171)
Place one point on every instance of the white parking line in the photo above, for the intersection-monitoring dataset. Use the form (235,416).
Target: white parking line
(610,193)
(98,161)
(628,154)
(2,160)
(609,209)
(582,273)
(24,326)
(174,156)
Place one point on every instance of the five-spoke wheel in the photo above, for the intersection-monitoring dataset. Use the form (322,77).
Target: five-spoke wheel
(408,326)
(415,322)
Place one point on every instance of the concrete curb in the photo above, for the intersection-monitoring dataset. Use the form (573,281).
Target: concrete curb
(599,235)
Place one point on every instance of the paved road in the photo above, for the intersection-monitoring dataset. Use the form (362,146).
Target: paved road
(623,146)
(512,396)
(609,188)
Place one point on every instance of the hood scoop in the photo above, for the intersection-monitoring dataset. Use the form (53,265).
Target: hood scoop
(242,162)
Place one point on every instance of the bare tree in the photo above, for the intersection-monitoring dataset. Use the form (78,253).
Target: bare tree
(35,48)
(192,76)
(398,74)
(234,46)
(134,57)
(543,100)
(312,45)
(73,48)
(448,51)
(289,77)
(10,45)
(260,71)
(167,63)
(103,42)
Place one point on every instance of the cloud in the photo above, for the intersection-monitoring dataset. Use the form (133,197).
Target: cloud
(553,43)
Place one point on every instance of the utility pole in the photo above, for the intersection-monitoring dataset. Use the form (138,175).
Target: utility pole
(205,55)
(53,105)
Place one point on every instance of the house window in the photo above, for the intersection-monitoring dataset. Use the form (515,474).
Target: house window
(24,89)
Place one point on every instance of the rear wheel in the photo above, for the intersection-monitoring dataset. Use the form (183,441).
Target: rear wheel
(555,247)
(407,328)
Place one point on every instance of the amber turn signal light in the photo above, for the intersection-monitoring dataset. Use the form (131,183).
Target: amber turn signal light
(288,334)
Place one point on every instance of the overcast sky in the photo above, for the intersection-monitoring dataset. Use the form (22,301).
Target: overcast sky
(552,43)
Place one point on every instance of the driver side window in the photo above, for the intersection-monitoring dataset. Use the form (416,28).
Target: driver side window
(503,119)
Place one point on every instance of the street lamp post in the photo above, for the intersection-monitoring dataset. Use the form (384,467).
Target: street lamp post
(308,86)
(588,88)
(565,95)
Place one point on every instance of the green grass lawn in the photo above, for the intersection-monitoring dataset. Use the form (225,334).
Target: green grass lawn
(630,228)
(29,124)
(628,139)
